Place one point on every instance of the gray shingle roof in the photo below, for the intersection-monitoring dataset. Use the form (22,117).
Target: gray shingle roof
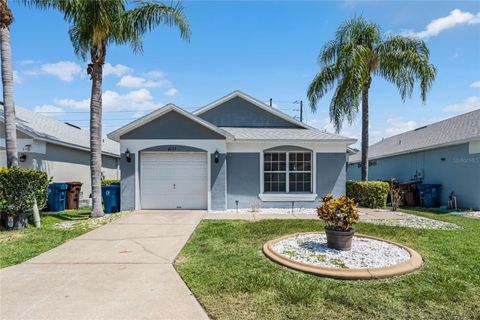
(55,131)
(283,134)
(458,129)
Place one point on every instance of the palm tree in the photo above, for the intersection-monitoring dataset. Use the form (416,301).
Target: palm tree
(94,25)
(353,58)
(6,18)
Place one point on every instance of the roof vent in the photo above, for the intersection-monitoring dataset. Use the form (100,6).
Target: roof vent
(420,128)
(73,126)
(399,141)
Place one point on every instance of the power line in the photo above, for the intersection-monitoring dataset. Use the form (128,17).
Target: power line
(125,119)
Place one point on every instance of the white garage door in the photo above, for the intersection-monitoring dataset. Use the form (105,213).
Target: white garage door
(173,180)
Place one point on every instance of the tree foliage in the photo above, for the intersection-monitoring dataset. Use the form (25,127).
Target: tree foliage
(18,189)
(358,53)
(96,24)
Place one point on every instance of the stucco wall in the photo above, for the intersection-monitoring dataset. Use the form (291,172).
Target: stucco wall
(218,183)
(172,125)
(453,167)
(65,164)
(243,180)
(127,184)
(331,174)
(238,112)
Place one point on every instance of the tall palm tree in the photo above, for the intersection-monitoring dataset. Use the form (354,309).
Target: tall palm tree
(6,18)
(94,25)
(353,58)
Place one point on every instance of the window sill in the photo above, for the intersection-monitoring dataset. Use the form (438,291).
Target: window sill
(287,196)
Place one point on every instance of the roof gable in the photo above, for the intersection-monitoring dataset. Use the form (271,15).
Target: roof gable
(238,109)
(169,122)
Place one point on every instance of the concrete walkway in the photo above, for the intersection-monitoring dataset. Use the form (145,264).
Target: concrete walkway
(120,271)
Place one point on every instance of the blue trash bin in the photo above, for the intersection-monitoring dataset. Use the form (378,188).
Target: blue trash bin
(429,194)
(111,198)
(57,196)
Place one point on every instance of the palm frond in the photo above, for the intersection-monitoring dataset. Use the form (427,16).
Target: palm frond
(321,84)
(149,15)
(402,60)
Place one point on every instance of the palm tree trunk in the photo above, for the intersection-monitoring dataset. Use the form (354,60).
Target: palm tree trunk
(95,69)
(366,87)
(7,81)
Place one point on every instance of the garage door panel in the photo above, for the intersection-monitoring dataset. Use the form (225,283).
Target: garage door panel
(173,180)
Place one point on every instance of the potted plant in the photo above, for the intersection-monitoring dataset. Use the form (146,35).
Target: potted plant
(339,214)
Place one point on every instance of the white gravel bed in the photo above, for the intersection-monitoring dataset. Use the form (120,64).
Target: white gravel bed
(412,221)
(365,253)
(312,211)
(399,219)
(471,214)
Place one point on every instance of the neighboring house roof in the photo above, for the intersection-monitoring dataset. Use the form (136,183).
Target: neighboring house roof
(255,102)
(115,135)
(284,134)
(41,127)
(459,129)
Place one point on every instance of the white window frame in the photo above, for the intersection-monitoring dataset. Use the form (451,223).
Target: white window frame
(288,196)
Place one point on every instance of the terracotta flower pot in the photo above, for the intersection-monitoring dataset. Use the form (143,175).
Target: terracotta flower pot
(339,240)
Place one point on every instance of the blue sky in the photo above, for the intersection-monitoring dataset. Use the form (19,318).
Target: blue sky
(266,49)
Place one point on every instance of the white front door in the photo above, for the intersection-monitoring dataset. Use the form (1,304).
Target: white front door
(171,180)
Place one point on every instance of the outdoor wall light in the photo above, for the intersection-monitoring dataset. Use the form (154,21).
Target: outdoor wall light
(128,156)
(216,156)
(23,157)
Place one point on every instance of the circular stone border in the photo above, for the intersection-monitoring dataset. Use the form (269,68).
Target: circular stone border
(415,262)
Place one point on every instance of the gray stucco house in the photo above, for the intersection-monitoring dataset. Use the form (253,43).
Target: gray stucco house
(445,152)
(59,149)
(235,151)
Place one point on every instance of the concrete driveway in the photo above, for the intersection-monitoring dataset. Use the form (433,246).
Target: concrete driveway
(120,271)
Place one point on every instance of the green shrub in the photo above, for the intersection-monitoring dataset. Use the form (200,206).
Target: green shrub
(370,194)
(19,187)
(108,182)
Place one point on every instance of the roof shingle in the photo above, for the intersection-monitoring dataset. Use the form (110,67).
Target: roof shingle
(53,130)
(461,128)
(283,134)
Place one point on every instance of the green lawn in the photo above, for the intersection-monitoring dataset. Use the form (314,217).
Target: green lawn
(20,245)
(226,270)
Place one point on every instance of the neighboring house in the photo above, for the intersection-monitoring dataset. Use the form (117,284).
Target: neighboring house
(445,152)
(236,151)
(59,149)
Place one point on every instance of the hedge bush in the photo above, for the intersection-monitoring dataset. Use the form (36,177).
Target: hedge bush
(19,187)
(108,182)
(370,194)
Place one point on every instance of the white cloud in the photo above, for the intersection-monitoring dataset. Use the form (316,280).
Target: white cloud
(75,104)
(156,74)
(398,125)
(475,84)
(138,100)
(64,70)
(16,77)
(140,82)
(29,61)
(171,92)
(455,18)
(116,70)
(468,104)
(48,110)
